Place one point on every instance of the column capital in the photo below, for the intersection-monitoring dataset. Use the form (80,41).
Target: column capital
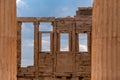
(36,23)
(19,23)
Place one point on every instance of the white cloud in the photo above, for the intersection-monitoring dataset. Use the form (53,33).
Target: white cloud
(45,43)
(27,62)
(28,43)
(65,49)
(20,6)
(27,52)
(83,48)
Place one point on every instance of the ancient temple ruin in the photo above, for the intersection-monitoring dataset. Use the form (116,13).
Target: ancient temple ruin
(105,53)
(55,63)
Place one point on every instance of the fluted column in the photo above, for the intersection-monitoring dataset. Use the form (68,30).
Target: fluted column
(106,40)
(8,38)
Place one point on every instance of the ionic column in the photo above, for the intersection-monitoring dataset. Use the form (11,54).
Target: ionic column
(8,40)
(106,40)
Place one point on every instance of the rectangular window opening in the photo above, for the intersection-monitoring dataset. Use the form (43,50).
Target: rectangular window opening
(83,42)
(64,42)
(45,26)
(27,44)
(45,41)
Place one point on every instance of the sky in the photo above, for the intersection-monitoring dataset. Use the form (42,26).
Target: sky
(44,8)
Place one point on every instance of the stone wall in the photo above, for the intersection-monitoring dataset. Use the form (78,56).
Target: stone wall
(56,64)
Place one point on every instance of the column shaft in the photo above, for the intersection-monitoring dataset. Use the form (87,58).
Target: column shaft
(106,40)
(8,39)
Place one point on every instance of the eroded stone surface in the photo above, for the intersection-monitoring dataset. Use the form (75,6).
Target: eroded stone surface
(56,64)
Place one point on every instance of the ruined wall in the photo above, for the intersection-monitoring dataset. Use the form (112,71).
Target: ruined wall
(8,38)
(106,40)
(56,64)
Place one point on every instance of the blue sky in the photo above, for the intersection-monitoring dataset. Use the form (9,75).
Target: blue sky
(43,8)
(56,8)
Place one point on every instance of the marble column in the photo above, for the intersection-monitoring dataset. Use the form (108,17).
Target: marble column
(106,40)
(8,39)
